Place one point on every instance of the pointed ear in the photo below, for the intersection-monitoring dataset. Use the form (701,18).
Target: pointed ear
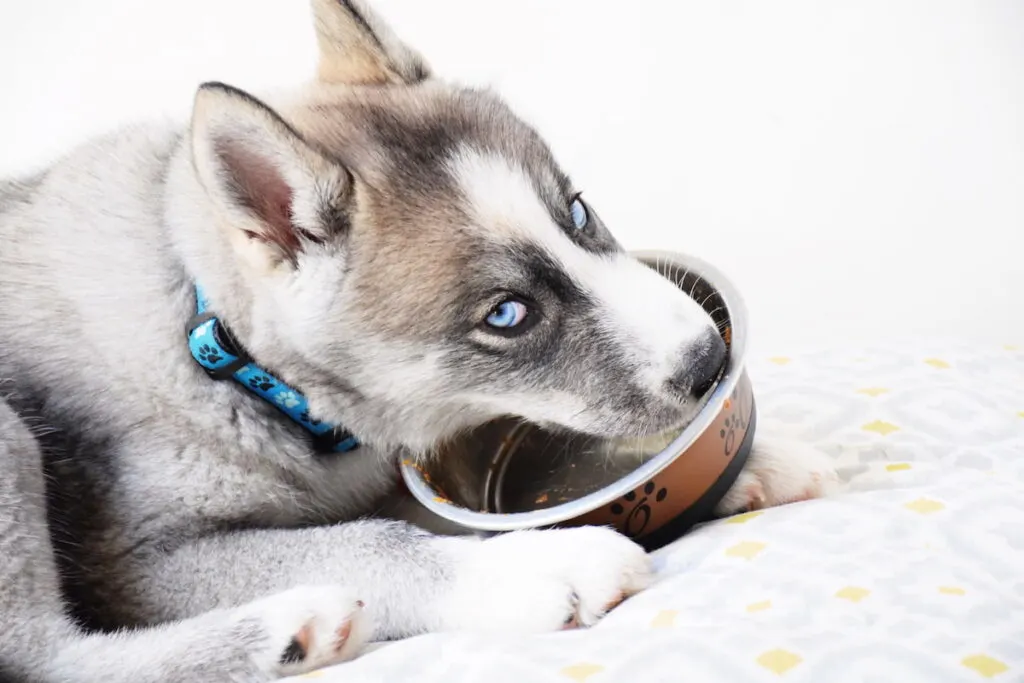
(358,48)
(267,182)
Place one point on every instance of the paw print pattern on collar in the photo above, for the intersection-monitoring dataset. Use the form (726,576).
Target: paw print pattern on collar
(216,351)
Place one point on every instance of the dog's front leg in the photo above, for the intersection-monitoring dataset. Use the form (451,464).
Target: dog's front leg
(410,581)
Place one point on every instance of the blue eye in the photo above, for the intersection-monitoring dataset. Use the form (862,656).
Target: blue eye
(579,214)
(507,314)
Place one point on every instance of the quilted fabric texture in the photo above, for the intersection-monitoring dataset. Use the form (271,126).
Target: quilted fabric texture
(915,572)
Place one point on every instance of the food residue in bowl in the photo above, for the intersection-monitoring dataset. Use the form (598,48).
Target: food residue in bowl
(423,473)
(439,495)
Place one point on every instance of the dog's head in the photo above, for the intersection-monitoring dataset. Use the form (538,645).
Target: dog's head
(409,253)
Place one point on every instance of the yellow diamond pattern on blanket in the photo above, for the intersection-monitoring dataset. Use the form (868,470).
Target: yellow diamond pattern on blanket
(989,667)
(581,672)
(779,661)
(852,593)
(744,517)
(938,363)
(880,427)
(664,619)
(925,506)
(939,546)
(748,550)
(898,467)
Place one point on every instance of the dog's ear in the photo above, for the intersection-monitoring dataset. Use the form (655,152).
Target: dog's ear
(358,48)
(278,194)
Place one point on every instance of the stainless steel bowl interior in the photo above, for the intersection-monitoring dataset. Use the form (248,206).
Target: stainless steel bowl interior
(509,466)
(510,474)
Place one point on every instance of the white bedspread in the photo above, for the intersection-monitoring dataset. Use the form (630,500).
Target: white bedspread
(914,573)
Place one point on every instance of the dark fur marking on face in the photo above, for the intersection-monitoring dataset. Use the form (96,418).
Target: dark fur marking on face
(571,349)
(526,272)
(418,148)
(544,271)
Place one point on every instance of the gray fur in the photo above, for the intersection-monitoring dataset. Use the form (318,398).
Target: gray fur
(186,509)
(19,192)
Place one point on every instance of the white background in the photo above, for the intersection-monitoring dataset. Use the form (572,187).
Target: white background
(857,167)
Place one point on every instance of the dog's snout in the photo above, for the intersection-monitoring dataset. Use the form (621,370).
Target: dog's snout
(701,365)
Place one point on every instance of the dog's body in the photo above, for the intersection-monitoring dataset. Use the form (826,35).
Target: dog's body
(367,239)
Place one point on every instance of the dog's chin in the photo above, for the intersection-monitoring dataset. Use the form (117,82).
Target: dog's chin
(660,418)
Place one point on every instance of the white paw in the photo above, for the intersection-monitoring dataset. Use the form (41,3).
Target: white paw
(780,472)
(306,628)
(537,581)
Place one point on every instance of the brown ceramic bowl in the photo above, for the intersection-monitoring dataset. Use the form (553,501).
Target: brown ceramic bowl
(510,475)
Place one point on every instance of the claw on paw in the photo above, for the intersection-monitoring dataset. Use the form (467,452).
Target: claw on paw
(342,635)
(755,497)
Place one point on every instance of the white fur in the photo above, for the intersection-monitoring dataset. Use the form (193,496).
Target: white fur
(538,581)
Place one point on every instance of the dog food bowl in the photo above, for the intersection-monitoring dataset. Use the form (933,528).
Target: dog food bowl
(509,474)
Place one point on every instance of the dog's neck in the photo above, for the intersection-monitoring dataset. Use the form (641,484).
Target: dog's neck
(218,352)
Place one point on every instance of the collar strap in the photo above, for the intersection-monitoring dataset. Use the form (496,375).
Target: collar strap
(216,351)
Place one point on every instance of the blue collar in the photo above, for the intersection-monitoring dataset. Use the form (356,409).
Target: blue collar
(216,351)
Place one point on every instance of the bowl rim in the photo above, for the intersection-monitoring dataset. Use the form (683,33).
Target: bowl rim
(713,405)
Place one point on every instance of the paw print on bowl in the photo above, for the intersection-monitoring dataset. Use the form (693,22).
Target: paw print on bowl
(209,354)
(288,399)
(261,382)
(733,424)
(640,512)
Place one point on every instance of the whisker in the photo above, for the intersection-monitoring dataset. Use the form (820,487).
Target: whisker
(682,278)
(693,287)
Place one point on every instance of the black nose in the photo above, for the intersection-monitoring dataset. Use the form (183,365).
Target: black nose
(701,365)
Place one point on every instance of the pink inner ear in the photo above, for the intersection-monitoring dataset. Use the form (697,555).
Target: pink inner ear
(259,187)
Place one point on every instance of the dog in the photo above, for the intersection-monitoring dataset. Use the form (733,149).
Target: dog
(384,260)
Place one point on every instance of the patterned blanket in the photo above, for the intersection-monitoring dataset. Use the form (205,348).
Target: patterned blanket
(915,572)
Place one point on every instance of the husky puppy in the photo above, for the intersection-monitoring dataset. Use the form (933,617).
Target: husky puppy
(218,340)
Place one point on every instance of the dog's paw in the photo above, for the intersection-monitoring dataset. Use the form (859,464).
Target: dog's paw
(537,581)
(779,472)
(305,628)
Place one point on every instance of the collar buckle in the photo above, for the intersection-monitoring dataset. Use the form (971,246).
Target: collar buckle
(220,355)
